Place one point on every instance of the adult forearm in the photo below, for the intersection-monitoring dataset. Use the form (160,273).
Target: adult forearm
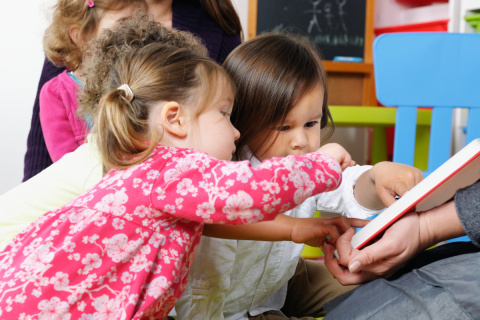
(439,224)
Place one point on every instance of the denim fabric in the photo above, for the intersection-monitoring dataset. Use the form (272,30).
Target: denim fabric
(446,289)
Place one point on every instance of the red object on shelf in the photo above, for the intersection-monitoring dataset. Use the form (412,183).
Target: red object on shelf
(431,26)
(423,2)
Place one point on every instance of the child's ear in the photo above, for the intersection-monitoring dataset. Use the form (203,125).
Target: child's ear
(173,119)
(73,33)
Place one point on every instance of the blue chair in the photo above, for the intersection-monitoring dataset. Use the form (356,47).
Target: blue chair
(439,70)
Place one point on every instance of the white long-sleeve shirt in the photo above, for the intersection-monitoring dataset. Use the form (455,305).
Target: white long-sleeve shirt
(230,279)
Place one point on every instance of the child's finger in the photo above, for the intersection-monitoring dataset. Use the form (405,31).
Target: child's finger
(358,223)
(340,222)
(331,230)
(386,196)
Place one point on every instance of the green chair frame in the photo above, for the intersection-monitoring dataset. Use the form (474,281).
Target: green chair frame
(379,118)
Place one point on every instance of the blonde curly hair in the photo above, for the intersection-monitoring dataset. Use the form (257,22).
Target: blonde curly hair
(132,33)
(59,47)
(157,64)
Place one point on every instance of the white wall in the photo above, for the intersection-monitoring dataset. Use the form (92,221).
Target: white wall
(22,24)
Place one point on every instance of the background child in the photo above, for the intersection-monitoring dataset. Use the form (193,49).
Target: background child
(214,21)
(132,238)
(280,108)
(65,42)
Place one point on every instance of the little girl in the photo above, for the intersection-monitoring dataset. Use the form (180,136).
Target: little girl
(65,41)
(123,249)
(80,170)
(280,107)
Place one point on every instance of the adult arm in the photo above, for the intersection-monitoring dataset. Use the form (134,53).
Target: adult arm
(54,187)
(37,157)
(407,237)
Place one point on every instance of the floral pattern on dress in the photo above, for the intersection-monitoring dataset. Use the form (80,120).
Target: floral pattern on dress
(122,250)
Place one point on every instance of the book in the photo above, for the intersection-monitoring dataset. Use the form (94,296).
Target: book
(460,171)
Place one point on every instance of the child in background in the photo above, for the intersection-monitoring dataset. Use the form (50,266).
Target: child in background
(74,23)
(164,127)
(214,21)
(280,107)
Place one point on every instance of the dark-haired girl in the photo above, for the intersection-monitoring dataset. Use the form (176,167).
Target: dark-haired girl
(280,109)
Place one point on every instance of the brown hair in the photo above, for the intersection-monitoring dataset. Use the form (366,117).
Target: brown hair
(223,12)
(156,72)
(135,32)
(59,47)
(272,72)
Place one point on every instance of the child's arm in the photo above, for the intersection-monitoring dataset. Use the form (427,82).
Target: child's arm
(377,187)
(57,129)
(214,191)
(311,231)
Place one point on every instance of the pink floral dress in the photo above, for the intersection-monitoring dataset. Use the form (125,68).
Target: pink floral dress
(123,249)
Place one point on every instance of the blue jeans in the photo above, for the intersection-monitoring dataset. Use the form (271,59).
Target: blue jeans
(445,289)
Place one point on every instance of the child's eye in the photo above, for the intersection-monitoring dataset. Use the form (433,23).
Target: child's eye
(310,124)
(283,128)
(225,114)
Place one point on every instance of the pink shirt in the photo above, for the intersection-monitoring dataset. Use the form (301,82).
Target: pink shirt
(63,131)
(123,249)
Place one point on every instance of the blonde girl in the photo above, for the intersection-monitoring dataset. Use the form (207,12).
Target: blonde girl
(123,249)
(74,22)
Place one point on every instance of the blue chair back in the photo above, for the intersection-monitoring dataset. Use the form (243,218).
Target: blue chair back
(439,70)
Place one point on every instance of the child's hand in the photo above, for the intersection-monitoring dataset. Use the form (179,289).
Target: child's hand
(393,179)
(338,153)
(313,231)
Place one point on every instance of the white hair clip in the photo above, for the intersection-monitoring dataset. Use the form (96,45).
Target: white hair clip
(128,92)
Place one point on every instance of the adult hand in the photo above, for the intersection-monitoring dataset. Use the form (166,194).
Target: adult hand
(398,245)
(404,239)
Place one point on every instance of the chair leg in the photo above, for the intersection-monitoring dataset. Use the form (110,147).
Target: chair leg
(422,141)
(379,145)
(440,137)
(405,127)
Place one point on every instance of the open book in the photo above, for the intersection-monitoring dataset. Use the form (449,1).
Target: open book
(460,171)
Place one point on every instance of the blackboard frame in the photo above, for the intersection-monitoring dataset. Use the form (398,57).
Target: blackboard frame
(365,68)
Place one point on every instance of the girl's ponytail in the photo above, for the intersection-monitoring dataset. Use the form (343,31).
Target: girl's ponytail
(137,80)
(119,125)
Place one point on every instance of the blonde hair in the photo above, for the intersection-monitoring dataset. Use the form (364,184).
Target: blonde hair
(59,47)
(135,32)
(154,73)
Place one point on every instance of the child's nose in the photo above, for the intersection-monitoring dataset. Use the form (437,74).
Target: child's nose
(300,140)
(236,133)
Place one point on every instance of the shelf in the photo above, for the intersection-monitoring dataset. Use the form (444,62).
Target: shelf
(348,67)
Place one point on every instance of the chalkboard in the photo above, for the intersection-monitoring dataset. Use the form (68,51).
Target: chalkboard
(336,26)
